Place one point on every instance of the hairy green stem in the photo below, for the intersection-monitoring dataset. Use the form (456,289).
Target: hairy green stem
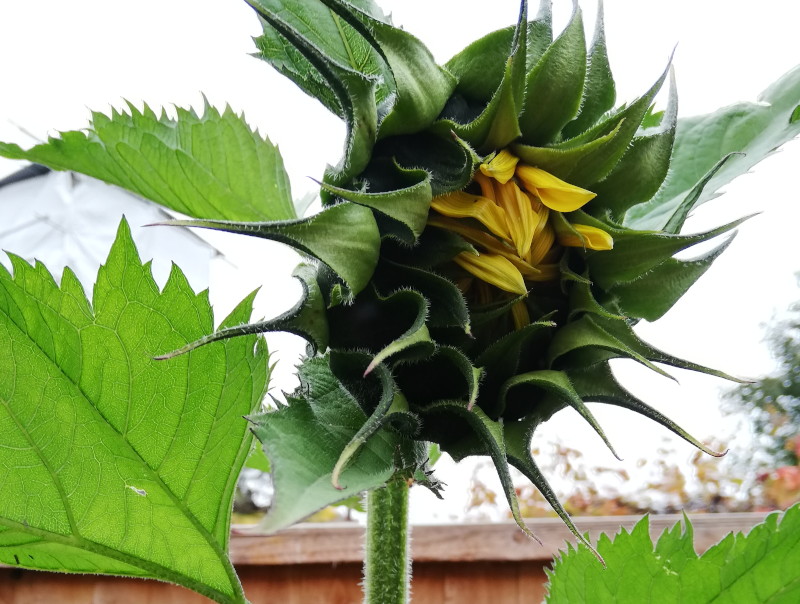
(387,563)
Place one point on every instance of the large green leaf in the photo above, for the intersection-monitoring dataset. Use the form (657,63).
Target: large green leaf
(208,166)
(305,439)
(113,462)
(755,129)
(763,566)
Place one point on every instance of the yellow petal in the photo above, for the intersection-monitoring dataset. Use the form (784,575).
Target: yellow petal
(541,245)
(520,217)
(465,205)
(485,241)
(493,269)
(486,185)
(520,314)
(554,192)
(501,166)
(547,272)
(587,237)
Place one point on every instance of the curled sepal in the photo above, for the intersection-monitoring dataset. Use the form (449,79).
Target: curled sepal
(306,319)
(345,237)
(554,86)
(446,304)
(304,439)
(386,326)
(420,87)
(408,204)
(480,436)
(556,384)
(598,384)
(498,123)
(518,437)
(446,375)
(388,396)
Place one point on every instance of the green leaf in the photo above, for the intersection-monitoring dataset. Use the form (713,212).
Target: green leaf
(554,87)
(355,90)
(333,37)
(755,129)
(345,237)
(305,439)
(209,166)
(763,566)
(113,462)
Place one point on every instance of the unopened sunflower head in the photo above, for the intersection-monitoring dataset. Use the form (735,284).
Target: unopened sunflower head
(473,247)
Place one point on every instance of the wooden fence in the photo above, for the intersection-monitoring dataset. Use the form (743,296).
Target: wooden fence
(321,564)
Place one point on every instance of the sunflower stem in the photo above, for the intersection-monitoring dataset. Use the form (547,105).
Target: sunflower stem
(387,563)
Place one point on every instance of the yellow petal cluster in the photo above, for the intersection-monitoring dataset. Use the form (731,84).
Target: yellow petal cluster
(512,225)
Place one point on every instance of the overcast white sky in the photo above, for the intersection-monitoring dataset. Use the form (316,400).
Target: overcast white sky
(61,58)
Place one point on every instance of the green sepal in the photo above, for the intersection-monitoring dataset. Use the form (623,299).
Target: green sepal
(598,384)
(498,124)
(435,247)
(591,156)
(344,236)
(638,252)
(617,338)
(304,439)
(386,326)
(754,129)
(445,375)
(556,384)
(563,163)
(211,165)
(408,205)
(655,292)
(480,67)
(518,436)
(585,341)
(641,171)
(446,304)
(450,161)
(481,315)
(599,91)
(420,87)
(502,359)
(582,300)
(388,394)
(485,438)
(306,319)
(554,86)
(355,91)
